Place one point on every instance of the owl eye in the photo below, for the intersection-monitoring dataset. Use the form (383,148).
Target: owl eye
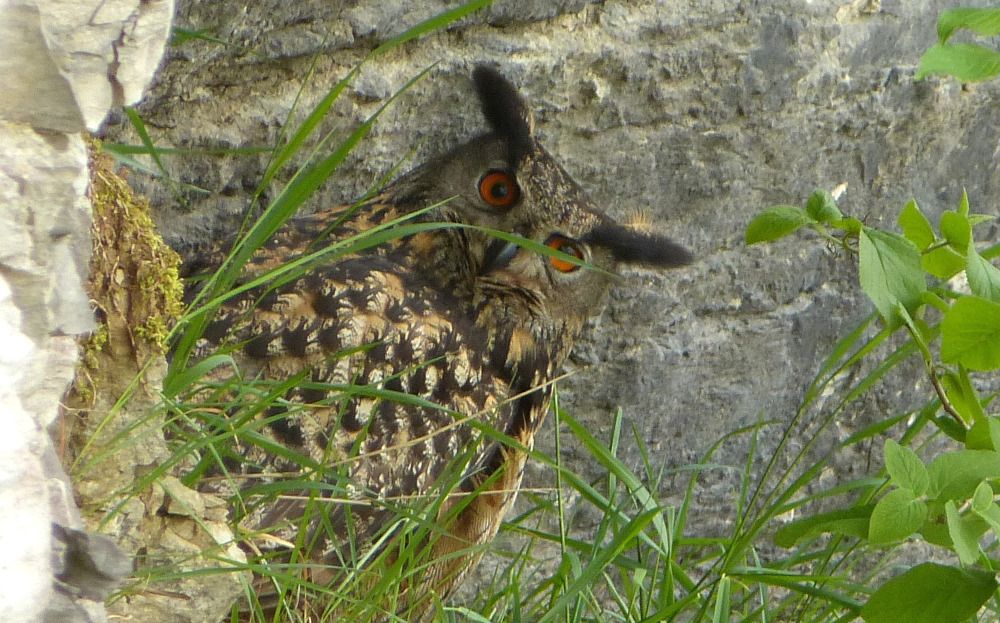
(499,189)
(568,246)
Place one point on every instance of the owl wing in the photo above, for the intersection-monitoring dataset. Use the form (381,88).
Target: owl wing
(361,333)
(298,236)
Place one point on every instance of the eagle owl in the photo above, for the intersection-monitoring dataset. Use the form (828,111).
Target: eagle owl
(423,360)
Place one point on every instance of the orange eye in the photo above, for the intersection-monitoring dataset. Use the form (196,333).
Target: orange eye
(568,246)
(499,189)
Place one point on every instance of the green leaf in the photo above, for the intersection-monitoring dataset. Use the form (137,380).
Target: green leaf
(984,277)
(955,475)
(957,230)
(930,593)
(963,396)
(915,225)
(951,428)
(723,596)
(294,144)
(984,434)
(943,262)
(848,521)
(970,334)
(905,468)
(935,529)
(890,273)
(822,207)
(140,128)
(596,565)
(934,300)
(178,382)
(849,224)
(180,36)
(964,534)
(466,614)
(963,204)
(984,508)
(982,499)
(431,24)
(991,516)
(776,222)
(896,516)
(983,22)
(966,61)
(979,219)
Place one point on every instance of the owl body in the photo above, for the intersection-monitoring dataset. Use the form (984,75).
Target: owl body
(431,355)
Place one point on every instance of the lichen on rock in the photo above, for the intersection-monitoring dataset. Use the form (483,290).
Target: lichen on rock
(112,430)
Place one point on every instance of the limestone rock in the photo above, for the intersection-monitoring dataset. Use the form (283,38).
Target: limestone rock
(118,446)
(67,63)
(64,64)
(701,114)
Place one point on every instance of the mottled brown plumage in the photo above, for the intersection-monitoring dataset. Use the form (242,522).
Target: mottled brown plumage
(453,317)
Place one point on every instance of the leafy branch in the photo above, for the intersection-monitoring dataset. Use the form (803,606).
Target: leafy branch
(950,501)
(969,62)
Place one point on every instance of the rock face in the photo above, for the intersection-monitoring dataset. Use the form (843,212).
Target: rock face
(115,425)
(700,114)
(64,65)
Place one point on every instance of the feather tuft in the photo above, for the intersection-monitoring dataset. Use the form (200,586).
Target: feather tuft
(505,111)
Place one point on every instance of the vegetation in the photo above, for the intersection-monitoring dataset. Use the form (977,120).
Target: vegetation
(644,562)
(948,501)
(969,62)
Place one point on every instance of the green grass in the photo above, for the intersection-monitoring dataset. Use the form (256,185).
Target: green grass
(644,561)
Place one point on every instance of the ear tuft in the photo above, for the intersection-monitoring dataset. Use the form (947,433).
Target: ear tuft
(505,111)
(631,246)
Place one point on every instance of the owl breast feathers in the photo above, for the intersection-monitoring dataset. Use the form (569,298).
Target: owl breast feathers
(430,354)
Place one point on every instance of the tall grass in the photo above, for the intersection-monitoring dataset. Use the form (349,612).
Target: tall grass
(644,561)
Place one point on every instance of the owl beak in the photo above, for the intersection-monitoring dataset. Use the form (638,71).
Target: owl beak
(499,255)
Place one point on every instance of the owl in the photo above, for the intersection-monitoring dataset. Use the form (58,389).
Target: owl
(417,371)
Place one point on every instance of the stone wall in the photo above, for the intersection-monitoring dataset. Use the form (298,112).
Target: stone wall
(63,66)
(699,113)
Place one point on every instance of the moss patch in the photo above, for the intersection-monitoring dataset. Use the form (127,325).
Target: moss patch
(113,422)
(136,293)
(133,273)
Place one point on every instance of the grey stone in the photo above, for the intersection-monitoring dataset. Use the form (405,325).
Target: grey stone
(64,64)
(91,565)
(700,114)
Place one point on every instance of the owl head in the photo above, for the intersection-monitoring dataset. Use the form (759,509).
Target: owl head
(554,284)
(505,180)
